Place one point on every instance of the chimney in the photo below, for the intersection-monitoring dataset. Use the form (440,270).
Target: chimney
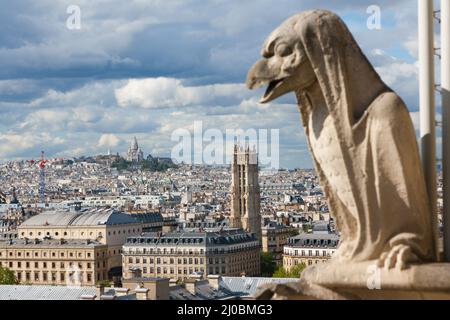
(120,292)
(141,293)
(173,282)
(99,290)
(196,276)
(214,280)
(191,286)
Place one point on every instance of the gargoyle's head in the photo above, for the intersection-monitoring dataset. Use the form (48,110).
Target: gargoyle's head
(284,67)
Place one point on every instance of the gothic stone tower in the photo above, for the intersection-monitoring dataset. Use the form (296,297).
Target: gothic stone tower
(245,196)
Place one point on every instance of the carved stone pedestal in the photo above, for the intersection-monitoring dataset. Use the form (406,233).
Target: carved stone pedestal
(334,281)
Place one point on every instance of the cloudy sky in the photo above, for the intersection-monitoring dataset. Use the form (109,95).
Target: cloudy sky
(148,67)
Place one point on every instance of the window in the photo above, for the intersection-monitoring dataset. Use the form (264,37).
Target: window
(62,276)
(44,276)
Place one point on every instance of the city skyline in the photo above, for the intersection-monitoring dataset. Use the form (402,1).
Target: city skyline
(73,92)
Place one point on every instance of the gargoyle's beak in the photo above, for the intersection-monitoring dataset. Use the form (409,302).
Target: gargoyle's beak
(260,74)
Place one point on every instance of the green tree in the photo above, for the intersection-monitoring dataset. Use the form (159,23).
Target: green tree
(7,276)
(280,273)
(268,265)
(295,271)
(104,283)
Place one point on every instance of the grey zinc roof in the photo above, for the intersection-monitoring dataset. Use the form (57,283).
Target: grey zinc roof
(52,218)
(203,291)
(248,286)
(36,292)
(96,216)
(315,239)
(187,237)
(103,216)
(148,217)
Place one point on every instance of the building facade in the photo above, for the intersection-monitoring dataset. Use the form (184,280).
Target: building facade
(106,226)
(55,262)
(245,193)
(178,255)
(274,237)
(309,249)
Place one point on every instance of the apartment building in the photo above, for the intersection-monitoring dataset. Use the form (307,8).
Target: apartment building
(309,248)
(227,252)
(55,262)
(76,232)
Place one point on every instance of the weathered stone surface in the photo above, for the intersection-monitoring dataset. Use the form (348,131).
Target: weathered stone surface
(365,151)
(360,135)
(354,281)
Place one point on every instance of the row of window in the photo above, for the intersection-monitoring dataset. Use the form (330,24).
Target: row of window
(294,262)
(55,277)
(52,265)
(186,251)
(216,260)
(165,270)
(166,261)
(99,234)
(53,254)
(309,253)
(152,271)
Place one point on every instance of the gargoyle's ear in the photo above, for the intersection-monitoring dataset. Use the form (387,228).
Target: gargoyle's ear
(297,57)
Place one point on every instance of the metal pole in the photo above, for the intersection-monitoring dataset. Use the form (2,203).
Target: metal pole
(427,106)
(445,84)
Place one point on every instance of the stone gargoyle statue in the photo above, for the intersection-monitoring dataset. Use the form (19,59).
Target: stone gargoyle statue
(361,138)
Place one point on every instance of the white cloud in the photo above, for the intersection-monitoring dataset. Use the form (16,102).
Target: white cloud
(168,92)
(108,140)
